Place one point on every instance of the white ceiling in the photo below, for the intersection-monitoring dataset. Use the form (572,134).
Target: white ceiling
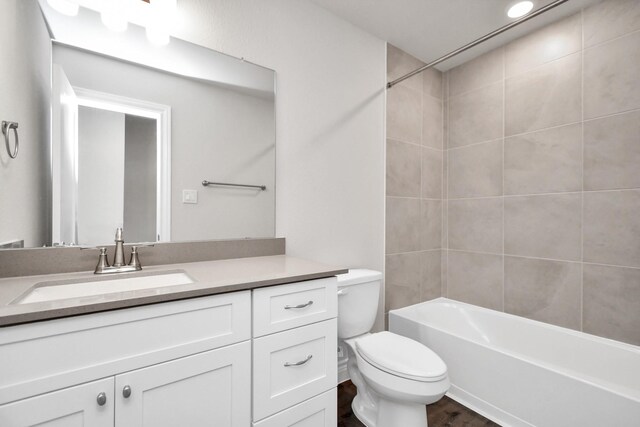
(429,29)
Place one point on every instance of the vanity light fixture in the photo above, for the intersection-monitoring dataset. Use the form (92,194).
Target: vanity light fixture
(114,15)
(66,7)
(161,15)
(114,22)
(519,9)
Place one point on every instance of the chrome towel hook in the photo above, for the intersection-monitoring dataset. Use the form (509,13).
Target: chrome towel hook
(6,128)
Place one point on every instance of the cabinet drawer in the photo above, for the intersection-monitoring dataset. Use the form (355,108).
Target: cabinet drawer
(279,308)
(291,366)
(45,356)
(320,411)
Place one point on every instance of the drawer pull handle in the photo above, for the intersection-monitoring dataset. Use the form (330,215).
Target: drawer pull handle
(302,362)
(289,307)
(126,391)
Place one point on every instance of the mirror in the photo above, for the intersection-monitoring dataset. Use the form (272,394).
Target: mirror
(135,131)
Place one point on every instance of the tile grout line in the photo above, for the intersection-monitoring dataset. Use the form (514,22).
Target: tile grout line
(599,44)
(545,129)
(420,222)
(582,172)
(448,81)
(561,193)
(568,261)
(504,131)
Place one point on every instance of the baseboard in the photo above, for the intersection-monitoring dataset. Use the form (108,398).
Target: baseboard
(343,373)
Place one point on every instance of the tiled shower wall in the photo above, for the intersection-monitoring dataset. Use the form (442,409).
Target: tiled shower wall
(414,183)
(542,177)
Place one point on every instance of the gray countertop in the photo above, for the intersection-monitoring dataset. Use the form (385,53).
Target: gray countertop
(210,277)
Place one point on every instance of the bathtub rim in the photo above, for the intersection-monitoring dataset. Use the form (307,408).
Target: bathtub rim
(635,397)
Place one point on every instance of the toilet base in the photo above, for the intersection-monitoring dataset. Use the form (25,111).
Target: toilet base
(364,414)
(408,414)
(391,413)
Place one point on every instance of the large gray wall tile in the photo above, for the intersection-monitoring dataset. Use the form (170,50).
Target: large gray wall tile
(612,302)
(545,45)
(481,71)
(432,122)
(547,96)
(475,171)
(612,227)
(548,291)
(402,227)
(404,114)
(400,63)
(431,283)
(610,19)
(431,173)
(476,279)
(475,225)
(476,116)
(547,161)
(403,169)
(431,224)
(611,77)
(403,277)
(433,83)
(547,226)
(612,152)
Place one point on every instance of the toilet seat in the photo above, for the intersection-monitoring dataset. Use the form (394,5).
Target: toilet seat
(401,356)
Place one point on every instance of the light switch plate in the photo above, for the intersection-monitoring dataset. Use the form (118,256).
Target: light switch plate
(190,196)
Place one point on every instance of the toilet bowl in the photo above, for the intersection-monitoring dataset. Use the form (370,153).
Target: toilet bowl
(395,376)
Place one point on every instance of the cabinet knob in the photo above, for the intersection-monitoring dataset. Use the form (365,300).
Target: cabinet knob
(126,391)
(102,399)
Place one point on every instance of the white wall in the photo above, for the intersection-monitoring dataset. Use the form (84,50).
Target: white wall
(330,119)
(24,97)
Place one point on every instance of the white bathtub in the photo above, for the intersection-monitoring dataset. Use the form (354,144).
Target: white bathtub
(520,372)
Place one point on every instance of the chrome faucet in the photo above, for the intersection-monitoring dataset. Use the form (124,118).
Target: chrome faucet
(119,265)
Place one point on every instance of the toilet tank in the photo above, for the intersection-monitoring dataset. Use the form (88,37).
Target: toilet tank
(358,295)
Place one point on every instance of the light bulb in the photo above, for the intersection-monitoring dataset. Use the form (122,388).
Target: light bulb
(520,9)
(66,7)
(114,15)
(113,20)
(161,15)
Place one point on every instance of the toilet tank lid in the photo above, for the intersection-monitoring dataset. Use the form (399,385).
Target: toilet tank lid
(358,275)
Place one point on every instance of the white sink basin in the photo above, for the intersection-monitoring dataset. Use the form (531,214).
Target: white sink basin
(51,291)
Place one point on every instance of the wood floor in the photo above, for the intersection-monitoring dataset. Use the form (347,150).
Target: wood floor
(445,413)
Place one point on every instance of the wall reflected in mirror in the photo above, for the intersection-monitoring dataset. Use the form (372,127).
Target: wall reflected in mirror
(133,131)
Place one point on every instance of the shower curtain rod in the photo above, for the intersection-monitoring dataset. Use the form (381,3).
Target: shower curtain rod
(477,42)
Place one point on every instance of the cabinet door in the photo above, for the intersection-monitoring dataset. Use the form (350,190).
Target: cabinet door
(208,389)
(70,407)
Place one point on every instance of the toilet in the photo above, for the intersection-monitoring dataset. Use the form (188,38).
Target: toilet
(395,376)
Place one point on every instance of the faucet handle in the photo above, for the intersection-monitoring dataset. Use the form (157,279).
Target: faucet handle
(134,261)
(103,262)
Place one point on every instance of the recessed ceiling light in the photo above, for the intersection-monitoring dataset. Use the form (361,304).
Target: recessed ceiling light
(520,9)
